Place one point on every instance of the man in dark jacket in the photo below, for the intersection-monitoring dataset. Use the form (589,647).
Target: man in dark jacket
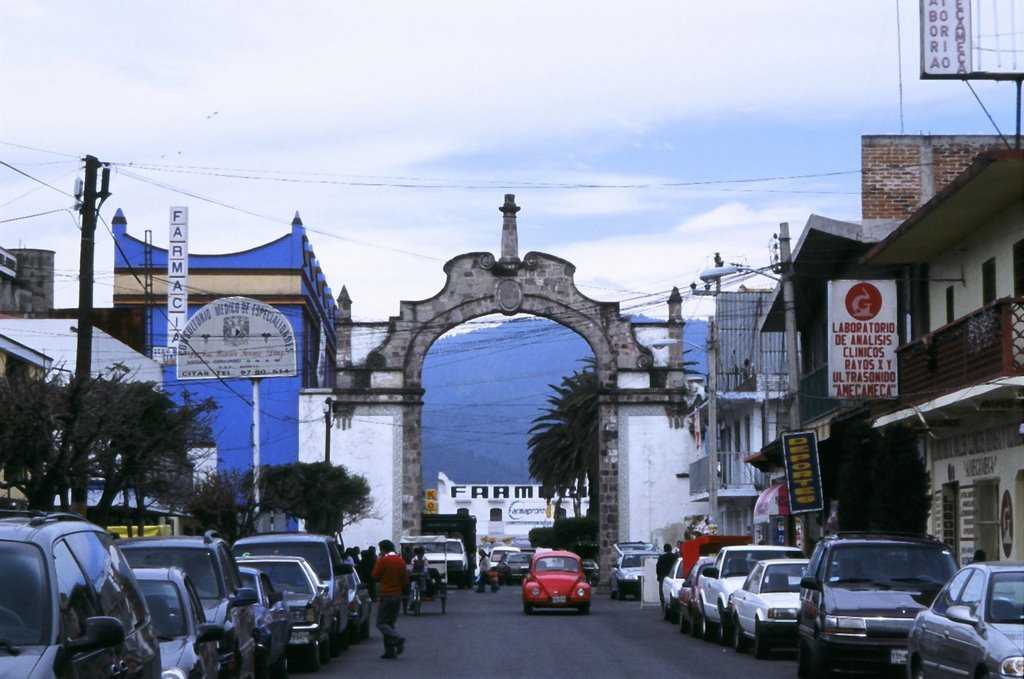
(662,567)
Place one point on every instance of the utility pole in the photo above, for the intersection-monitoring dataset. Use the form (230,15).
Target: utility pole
(789,306)
(712,422)
(83,359)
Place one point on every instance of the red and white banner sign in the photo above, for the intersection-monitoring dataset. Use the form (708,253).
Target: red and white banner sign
(862,340)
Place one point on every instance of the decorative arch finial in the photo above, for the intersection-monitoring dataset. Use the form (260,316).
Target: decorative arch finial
(509,231)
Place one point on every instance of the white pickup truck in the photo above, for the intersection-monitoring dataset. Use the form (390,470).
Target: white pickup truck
(732,566)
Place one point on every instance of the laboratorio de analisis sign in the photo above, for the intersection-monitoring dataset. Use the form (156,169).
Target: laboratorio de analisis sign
(862,340)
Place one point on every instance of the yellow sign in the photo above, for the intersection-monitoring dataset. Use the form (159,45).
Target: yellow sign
(430,507)
(430,493)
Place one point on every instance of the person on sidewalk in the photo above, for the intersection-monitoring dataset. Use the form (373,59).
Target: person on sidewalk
(484,578)
(392,576)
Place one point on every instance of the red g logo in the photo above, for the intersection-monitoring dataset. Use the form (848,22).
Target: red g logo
(863,301)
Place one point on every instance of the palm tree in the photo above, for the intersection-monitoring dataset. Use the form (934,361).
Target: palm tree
(564,444)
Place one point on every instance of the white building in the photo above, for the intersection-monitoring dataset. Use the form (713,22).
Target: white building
(505,513)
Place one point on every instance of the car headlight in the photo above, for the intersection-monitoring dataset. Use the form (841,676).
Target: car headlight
(630,576)
(535,591)
(782,614)
(841,624)
(1013,666)
(173,673)
(581,591)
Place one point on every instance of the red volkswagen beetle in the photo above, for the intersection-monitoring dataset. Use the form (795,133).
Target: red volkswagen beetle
(556,580)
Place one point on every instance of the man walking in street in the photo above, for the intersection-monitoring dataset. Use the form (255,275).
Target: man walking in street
(662,568)
(391,576)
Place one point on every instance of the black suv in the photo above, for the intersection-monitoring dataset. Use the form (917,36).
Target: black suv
(860,596)
(210,565)
(323,553)
(71,605)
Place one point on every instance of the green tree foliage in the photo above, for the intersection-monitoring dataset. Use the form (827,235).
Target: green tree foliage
(56,434)
(564,440)
(325,496)
(883,482)
(900,484)
(576,534)
(224,502)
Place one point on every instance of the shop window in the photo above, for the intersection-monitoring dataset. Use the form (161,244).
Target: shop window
(496,514)
(462,511)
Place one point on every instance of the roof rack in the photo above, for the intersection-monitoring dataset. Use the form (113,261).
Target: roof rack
(210,535)
(38,517)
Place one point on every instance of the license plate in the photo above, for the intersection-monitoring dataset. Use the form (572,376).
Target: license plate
(898,656)
(299,638)
(559,599)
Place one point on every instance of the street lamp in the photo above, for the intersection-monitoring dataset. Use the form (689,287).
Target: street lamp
(328,421)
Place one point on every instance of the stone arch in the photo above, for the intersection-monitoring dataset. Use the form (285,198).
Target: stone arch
(478,284)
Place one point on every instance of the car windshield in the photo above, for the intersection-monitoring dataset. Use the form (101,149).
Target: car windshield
(24,604)
(740,563)
(166,608)
(1006,598)
(557,563)
(285,576)
(195,561)
(517,559)
(313,552)
(634,560)
(437,547)
(891,566)
(782,578)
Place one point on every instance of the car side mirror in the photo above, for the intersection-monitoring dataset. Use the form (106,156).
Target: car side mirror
(275,597)
(209,631)
(101,631)
(710,572)
(961,614)
(243,596)
(809,582)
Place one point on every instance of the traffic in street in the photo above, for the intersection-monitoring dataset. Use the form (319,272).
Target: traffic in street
(489,635)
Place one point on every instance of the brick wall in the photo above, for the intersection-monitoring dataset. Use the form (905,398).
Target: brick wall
(899,173)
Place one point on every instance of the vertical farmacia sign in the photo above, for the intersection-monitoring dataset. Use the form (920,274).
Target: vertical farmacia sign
(862,340)
(177,280)
(237,337)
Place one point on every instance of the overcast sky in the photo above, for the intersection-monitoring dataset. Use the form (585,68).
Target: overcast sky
(639,137)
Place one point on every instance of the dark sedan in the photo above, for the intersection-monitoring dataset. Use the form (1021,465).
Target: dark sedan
(188,644)
(514,567)
(273,624)
(690,620)
(308,603)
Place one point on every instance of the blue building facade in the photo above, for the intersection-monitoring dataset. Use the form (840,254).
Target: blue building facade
(283,273)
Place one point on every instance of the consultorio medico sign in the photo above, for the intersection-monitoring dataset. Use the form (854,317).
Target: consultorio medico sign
(237,337)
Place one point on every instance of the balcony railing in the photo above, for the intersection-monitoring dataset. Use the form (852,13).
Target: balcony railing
(733,473)
(983,346)
(815,401)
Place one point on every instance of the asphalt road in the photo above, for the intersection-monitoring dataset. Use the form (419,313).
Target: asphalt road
(487,636)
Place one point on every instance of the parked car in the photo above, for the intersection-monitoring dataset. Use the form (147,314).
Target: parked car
(213,571)
(360,608)
(71,605)
(324,554)
(635,546)
(764,608)
(975,626)
(188,644)
(732,566)
(273,624)
(308,602)
(690,619)
(514,567)
(860,596)
(556,580)
(627,574)
(670,586)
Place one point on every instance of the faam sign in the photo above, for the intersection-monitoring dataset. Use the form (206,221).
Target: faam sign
(862,340)
(237,337)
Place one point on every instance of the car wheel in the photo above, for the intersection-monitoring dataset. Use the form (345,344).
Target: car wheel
(738,639)
(313,656)
(760,642)
(684,623)
(724,626)
(279,670)
(325,650)
(528,609)
(710,630)
(354,633)
(673,612)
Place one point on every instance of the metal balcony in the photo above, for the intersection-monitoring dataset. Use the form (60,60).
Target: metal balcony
(733,474)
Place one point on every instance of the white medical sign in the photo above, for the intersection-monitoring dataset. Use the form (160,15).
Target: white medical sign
(237,337)
(945,38)
(862,340)
(177,280)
